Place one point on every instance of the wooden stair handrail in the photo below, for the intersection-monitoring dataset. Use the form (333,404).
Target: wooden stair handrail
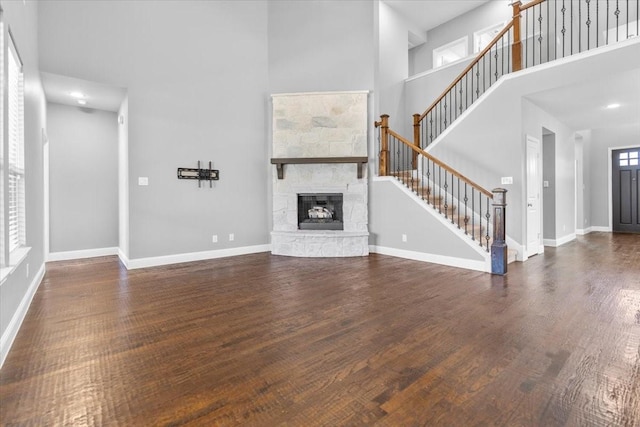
(515,24)
(468,68)
(446,167)
(533,3)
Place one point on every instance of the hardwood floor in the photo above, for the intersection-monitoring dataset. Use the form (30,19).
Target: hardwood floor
(267,340)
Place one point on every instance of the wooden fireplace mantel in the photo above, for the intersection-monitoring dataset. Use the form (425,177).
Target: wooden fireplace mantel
(280,162)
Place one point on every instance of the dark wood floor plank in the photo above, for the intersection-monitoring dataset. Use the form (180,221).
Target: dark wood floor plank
(268,340)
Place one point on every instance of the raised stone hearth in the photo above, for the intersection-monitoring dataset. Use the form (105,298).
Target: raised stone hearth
(319,125)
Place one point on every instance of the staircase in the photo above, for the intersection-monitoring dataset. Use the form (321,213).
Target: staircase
(540,32)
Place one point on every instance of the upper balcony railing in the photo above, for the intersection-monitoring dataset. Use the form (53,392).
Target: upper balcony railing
(539,32)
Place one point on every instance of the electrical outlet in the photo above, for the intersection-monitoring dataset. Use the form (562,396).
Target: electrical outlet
(231,237)
(214,238)
(404,238)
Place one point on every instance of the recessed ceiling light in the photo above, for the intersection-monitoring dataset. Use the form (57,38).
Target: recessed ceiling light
(612,106)
(82,102)
(77,94)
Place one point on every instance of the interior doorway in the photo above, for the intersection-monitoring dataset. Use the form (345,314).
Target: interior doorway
(534,181)
(625,190)
(549,233)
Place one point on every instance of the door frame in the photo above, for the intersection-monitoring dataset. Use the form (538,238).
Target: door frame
(540,248)
(610,182)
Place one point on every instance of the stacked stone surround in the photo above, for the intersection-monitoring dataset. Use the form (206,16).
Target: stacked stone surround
(329,124)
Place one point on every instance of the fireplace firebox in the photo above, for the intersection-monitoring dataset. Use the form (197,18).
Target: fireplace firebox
(320,211)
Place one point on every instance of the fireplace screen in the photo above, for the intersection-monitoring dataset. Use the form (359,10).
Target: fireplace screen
(320,211)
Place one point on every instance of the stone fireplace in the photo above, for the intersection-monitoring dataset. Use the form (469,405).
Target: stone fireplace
(319,183)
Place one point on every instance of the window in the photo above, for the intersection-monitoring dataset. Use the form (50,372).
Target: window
(629,158)
(450,52)
(15,143)
(482,37)
(12,188)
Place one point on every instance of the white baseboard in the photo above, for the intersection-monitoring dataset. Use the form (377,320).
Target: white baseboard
(9,335)
(484,266)
(595,229)
(84,253)
(583,231)
(132,264)
(554,243)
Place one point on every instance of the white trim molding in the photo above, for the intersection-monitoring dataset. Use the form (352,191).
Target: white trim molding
(554,243)
(432,258)
(132,264)
(9,335)
(83,253)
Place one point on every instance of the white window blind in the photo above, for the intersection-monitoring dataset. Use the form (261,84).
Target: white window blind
(15,149)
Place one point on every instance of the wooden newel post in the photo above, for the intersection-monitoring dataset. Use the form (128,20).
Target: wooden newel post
(384,144)
(499,250)
(516,49)
(416,138)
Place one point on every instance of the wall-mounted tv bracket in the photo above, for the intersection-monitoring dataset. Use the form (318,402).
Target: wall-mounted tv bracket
(199,174)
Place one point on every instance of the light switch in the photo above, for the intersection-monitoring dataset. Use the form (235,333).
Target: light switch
(143,180)
(507,180)
(545,184)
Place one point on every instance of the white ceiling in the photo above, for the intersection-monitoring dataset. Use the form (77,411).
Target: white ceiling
(428,14)
(98,96)
(583,105)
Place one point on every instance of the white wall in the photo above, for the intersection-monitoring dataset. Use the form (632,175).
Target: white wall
(17,290)
(83,178)
(196,74)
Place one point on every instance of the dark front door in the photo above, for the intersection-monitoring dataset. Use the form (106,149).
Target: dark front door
(626,189)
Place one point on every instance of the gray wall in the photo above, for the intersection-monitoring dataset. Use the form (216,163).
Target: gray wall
(317,45)
(549,193)
(83,180)
(598,163)
(490,13)
(22,19)
(393,68)
(393,214)
(196,74)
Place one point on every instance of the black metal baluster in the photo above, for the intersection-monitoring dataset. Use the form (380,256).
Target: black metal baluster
(526,38)
(452,204)
(588,24)
(597,23)
(458,202)
(488,215)
(431,127)
(540,38)
(439,189)
(446,195)
(571,27)
(496,56)
(579,26)
(628,13)
(548,33)
(477,91)
(466,210)
(564,28)
(555,28)
(473,211)
(617,13)
(484,80)
(607,27)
